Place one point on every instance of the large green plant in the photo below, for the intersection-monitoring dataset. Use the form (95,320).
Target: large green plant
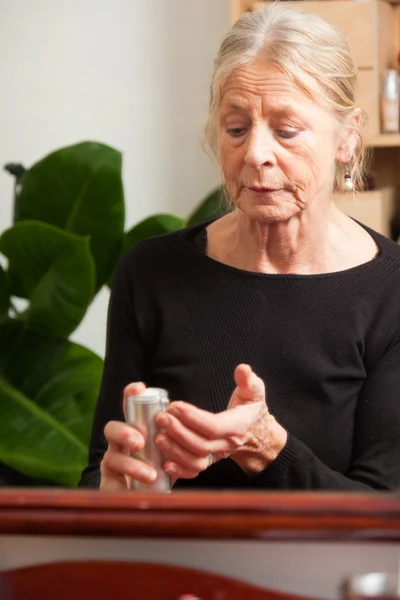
(66,239)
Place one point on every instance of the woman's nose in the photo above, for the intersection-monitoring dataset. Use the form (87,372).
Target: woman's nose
(261,148)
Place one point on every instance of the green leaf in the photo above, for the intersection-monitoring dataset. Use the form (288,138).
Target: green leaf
(61,380)
(212,207)
(11,331)
(150,227)
(61,377)
(35,443)
(79,189)
(4,295)
(14,284)
(71,390)
(55,271)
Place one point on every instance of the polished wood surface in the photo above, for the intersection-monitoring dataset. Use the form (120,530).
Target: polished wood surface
(105,580)
(385,140)
(211,515)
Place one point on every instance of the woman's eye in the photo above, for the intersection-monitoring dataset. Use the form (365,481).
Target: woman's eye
(287,135)
(235,131)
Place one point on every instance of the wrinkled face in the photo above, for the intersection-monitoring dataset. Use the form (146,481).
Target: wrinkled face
(277,147)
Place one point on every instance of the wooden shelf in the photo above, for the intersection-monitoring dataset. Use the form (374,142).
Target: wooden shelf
(385,140)
(373,208)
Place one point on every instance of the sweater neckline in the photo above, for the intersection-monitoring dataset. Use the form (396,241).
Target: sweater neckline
(200,229)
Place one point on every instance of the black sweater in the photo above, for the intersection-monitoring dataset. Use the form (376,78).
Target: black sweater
(327,347)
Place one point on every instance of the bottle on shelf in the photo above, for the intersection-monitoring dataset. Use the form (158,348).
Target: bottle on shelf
(391,102)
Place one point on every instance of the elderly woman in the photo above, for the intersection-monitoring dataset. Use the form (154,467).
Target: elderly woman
(275,329)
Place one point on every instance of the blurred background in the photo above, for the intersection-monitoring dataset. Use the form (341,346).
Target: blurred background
(134,75)
(131,77)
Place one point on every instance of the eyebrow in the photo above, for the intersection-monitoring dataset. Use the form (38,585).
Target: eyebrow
(233,106)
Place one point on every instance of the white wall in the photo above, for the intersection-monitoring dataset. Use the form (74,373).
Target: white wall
(130,73)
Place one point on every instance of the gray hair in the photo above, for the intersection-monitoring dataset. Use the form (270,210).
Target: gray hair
(298,43)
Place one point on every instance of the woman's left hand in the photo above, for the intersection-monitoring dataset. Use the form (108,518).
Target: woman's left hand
(246,432)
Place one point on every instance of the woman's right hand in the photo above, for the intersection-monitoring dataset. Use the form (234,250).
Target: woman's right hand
(118,466)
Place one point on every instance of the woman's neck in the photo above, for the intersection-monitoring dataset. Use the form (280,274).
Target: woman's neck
(301,245)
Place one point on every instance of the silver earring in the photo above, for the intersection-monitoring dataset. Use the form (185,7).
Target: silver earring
(348,183)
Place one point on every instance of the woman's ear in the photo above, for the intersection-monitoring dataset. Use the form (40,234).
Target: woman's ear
(350,138)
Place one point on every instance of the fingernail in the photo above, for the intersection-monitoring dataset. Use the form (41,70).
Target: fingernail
(133,441)
(146,472)
(161,439)
(162,420)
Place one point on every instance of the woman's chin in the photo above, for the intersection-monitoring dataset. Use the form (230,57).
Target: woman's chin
(268,213)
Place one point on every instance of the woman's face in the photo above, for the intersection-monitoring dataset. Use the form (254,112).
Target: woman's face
(277,146)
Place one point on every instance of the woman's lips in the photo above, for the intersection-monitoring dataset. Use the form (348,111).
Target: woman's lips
(262,190)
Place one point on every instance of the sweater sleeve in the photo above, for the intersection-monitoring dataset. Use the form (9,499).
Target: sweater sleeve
(376,442)
(125,362)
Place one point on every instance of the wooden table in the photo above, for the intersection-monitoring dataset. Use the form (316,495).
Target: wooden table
(299,543)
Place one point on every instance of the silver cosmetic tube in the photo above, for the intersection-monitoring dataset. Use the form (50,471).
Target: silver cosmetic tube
(140,412)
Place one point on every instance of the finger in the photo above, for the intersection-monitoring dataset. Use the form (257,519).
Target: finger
(124,465)
(196,444)
(249,386)
(132,389)
(242,374)
(112,482)
(233,422)
(178,432)
(117,448)
(175,452)
(175,471)
(123,435)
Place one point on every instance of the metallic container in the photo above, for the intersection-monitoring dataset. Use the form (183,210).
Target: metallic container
(382,586)
(140,413)
(390,102)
